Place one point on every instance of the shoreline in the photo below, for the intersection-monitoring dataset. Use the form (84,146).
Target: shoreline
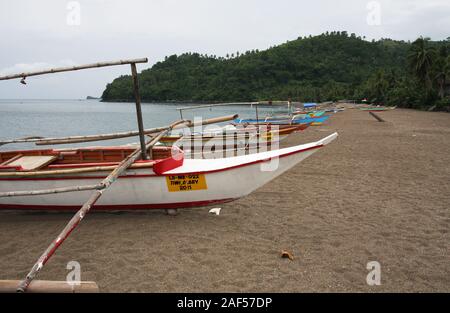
(378,193)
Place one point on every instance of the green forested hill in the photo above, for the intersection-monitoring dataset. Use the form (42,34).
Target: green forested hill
(330,66)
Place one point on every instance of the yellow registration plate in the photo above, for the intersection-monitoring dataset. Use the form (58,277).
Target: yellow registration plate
(177,183)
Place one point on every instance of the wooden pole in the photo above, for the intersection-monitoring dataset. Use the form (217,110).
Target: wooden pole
(90,169)
(24,138)
(256,109)
(214,105)
(48,191)
(46,286)
(73,68)
(76,219)
(137,98)
(379,119)
(88,138)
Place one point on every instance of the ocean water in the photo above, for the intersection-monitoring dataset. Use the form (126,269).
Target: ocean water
(57,118)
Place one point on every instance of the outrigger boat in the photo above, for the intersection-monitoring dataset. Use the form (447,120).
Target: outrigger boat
(232,138)
(124,177)
(377,109)
(167,181)
(300,127)
(302,114)
(283,121)
(294,116)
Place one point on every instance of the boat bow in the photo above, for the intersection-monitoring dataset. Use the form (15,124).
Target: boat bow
(215,165)
(176,183)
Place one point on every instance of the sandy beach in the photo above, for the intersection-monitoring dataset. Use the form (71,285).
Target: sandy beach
(381,192)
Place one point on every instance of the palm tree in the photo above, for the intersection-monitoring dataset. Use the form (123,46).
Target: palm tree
(421,59)
(442,75)
(442,70)
(380,85)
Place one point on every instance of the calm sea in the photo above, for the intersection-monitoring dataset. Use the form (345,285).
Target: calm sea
(56,118)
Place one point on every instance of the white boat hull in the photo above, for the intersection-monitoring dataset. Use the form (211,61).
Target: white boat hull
(200,182)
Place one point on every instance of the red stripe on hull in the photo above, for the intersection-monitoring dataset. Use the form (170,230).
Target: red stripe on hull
(118,207)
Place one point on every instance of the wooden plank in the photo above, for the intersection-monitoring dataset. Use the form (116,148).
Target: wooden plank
(11,160)
(46,286)
(33,163)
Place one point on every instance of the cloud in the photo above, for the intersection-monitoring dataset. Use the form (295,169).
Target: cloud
(37,35)
(36,66)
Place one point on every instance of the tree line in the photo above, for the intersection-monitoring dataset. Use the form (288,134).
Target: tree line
(328,67)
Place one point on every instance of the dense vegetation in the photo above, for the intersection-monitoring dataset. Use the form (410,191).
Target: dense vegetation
(328,67)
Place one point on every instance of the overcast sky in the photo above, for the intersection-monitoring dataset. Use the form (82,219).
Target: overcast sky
(40,34)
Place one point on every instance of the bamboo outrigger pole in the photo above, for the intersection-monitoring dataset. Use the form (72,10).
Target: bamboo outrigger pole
(76,219)
(49,191)
(202,106)
(137,97)
(45,286)
(74,68)
(100,137)
(90,169)
(218,105)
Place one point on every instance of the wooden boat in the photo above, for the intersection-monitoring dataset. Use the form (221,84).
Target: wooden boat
(300,127)
(378,109)
(296,115)
(312,114)
(126,178)
(242,136)
(283,121)
(167,181)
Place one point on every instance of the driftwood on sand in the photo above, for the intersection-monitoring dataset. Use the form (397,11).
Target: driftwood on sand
(45,286)
(377,117)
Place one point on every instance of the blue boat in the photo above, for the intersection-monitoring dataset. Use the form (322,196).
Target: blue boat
(309,105)
(283,121)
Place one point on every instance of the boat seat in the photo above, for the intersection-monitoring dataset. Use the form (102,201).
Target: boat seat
(28,162)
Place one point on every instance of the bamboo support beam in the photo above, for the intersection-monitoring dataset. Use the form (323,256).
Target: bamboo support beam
(100,137)
(378,118)
(137,99)
(280,102)
(24,138)
(72,170)
(74,68)
(215,105)
(49,191)
(76,219)
(134,75)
